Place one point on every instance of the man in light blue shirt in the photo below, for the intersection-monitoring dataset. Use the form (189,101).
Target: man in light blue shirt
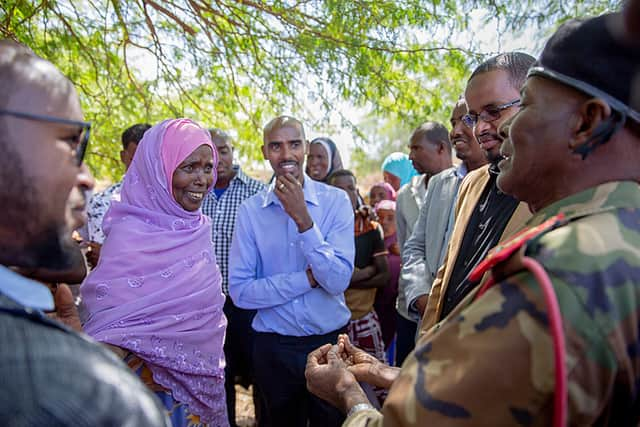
(291,259)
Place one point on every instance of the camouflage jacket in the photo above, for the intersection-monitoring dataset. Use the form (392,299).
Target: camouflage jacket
(490,363)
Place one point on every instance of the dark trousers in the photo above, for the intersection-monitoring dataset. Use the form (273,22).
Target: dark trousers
(279,363)
(237,352)
(405,338)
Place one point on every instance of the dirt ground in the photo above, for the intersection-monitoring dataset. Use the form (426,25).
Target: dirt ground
(245,411)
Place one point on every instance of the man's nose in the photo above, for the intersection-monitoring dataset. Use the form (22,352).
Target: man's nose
(481,127)
(457,130)
(503,130)
(84,179)
(286,151)
(201,177)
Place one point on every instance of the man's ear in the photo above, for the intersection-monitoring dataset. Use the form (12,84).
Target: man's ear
(589,122)
(306,147)
(264,151)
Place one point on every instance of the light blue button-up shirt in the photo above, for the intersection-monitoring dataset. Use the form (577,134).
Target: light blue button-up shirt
(25,291)
(269,257)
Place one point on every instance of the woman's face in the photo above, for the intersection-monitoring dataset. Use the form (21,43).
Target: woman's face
(317,162)
(377,194)
(387,219)
(192,178)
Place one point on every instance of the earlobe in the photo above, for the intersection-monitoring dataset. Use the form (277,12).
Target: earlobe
(264,152)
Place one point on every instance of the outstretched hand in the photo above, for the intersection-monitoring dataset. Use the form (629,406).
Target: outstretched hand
(329,379)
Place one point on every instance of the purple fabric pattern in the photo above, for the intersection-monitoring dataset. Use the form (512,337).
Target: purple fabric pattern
(156,290)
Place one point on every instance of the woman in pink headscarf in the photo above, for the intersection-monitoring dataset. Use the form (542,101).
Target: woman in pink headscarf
(155,296)
(381,191)
(385,303)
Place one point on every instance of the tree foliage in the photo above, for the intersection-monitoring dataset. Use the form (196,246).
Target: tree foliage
(235,64)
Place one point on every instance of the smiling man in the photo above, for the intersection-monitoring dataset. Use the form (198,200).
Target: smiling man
(425,249)
(291,259)
(484,214)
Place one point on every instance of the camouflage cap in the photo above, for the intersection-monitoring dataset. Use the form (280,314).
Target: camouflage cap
(587,55)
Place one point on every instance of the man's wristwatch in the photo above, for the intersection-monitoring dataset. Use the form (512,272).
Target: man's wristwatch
(359,407)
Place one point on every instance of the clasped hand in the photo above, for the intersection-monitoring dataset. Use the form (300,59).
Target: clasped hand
(333,372)
(289,192)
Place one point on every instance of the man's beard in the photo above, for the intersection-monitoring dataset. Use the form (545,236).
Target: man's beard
(52,250)
(494,158)
(28,240)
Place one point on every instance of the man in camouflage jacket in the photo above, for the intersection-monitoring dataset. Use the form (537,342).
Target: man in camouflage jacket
(572,149)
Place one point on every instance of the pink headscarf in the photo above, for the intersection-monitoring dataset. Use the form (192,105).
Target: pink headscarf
(181,138)
(391,193)
(157,289)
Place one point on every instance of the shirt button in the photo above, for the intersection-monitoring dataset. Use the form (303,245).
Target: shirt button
(292,244)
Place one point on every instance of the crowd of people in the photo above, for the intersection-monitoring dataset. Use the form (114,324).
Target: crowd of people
(492,276)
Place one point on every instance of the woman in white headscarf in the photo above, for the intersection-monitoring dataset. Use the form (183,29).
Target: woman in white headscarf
(322,159)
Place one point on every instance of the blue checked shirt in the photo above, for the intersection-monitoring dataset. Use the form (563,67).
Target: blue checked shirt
(223,213)
(269,258)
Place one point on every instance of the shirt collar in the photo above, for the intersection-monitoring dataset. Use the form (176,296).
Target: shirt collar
(240,176)
(309,188)
(461,170)
(601,198)
(26,292)
(417,182)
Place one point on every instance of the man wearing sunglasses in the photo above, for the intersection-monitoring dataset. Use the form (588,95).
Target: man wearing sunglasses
(484,215)
(50,374)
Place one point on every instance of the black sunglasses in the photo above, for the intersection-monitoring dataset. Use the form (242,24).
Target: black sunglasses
(82,140)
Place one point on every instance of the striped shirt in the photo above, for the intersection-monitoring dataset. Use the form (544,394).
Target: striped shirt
(223,211)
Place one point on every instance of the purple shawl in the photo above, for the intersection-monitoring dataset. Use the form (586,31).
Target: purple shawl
(156,289)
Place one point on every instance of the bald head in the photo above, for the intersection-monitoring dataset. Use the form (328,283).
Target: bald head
(22,69)
(282,122)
